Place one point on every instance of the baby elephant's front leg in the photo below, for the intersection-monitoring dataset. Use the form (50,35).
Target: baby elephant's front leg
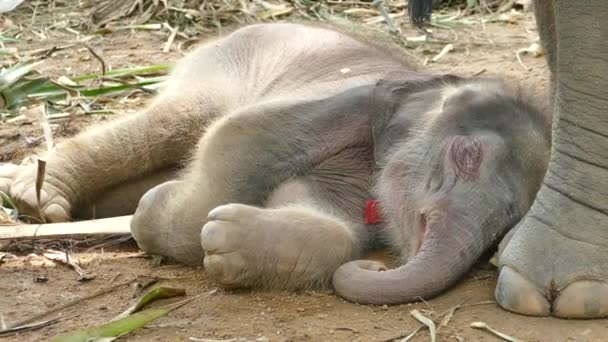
(285,248)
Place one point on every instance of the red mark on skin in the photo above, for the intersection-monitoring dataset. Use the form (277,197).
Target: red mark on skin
(372,212)
(466,154)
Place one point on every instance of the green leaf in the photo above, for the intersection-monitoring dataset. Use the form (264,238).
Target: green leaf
(21,85)
(10,76)
(113,330)
(16,95)
(152,69)
(90,92)
(6,201)
(8,206)
(159,292)
(6,39)
(129,321)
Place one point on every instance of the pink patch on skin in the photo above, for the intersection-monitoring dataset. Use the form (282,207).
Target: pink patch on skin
(421,233)
(465,155)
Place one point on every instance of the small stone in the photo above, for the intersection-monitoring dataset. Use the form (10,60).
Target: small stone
(300,309)
(40,279)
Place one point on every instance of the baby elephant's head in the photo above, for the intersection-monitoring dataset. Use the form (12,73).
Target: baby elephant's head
(461,162)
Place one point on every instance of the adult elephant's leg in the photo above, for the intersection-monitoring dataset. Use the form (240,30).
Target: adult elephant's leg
(544,13)
(557,261)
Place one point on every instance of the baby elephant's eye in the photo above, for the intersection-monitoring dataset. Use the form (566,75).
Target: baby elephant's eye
(465,155)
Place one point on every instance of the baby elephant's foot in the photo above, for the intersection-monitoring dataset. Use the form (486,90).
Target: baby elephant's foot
(286,248)
(19,181)
(159,229)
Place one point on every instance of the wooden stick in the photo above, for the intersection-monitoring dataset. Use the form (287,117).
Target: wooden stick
(112,225)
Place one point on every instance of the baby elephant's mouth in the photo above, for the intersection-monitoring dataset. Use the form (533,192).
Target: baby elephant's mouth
(422,231)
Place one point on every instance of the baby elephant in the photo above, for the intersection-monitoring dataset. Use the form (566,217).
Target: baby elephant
(278,153)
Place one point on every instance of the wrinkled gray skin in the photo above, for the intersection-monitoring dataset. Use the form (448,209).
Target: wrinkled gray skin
(556,261)
(283,140)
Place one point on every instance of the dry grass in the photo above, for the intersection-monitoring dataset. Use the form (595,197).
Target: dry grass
(184,21)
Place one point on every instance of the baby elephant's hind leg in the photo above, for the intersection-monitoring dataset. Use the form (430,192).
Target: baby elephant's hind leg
(294,246)
(152,225)
(241,158)
(123,198)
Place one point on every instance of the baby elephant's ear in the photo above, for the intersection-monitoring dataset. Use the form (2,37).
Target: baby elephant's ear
(390,95)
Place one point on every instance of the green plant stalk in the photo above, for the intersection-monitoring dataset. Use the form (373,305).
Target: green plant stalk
(156,293)
(10,76)
(115,329)
(131,322)
(42,89)
(152,69)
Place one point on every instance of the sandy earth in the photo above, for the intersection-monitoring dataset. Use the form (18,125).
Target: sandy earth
(220,314)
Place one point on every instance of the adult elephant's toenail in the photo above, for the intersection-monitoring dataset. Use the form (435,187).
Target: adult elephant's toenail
(516,293)
(582,299)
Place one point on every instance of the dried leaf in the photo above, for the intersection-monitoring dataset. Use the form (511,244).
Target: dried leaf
(444,51)
(417,39)
(484,326)
(69,304)
(494,260)
(41,172)
(111,226)
(410,336)
(426,321)
(271,10)
(63,80)
(64,258)
(26,327)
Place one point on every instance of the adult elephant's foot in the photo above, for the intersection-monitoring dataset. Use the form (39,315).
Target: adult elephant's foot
(556,262)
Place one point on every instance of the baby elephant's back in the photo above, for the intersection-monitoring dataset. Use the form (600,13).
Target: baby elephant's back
(264,61)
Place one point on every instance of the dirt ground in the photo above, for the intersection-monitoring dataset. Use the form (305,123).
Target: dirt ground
(263,316)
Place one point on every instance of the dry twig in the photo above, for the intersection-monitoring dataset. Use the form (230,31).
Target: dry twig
(98,57)
(484,326)
(112,225)
(426,321)
(69,304)
(64,258)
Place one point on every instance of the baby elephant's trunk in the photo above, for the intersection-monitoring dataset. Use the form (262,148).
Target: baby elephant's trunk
(446,254)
